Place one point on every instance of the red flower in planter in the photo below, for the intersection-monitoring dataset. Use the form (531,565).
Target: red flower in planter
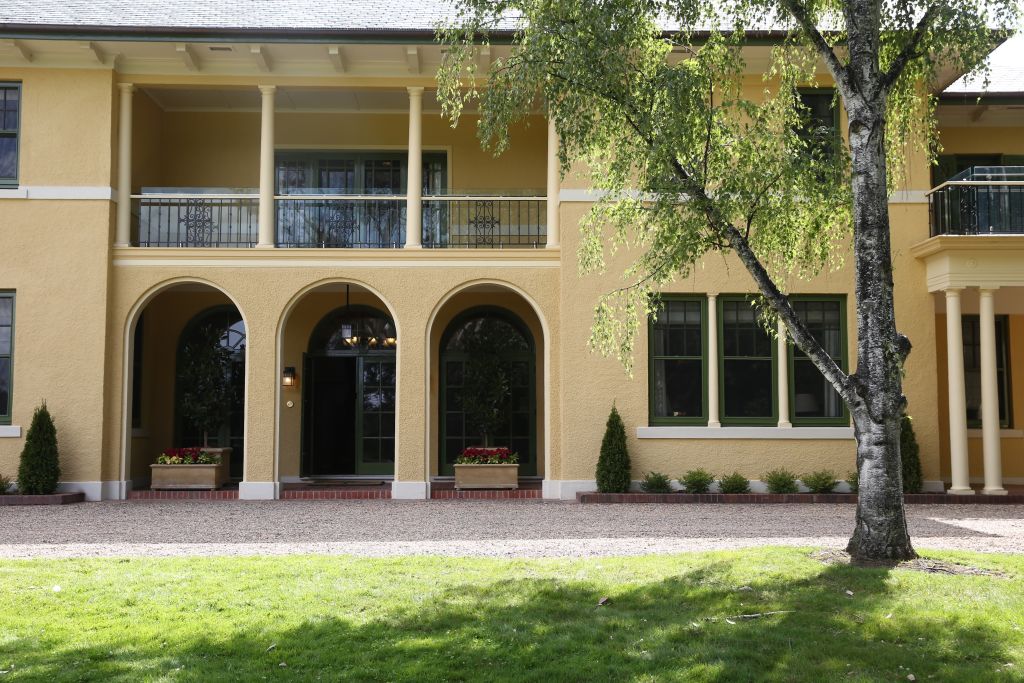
(479,455)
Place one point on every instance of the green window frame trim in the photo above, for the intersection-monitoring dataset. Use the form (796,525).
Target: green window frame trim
(766,421)
(10,182)
(655,420)
(5,418)
(844,420)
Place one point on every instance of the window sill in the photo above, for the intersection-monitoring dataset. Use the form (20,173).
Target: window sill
(1004,433)
(10,432)
(744,432)
(13,192)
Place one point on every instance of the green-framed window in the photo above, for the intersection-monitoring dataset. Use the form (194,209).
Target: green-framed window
(819,120)
(971,325)
(678,361)
(6,355)
(10,126)
(812,399)
(747,365)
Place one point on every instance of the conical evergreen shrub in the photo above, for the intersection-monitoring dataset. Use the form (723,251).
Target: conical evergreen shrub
(910,454)
(613,470)
(39,470)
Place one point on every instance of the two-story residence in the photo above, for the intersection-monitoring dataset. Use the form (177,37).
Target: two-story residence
(281,173)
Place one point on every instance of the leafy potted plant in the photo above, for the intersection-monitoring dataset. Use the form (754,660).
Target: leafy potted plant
(189,468)
(487,468)
(204,382)
(488,392)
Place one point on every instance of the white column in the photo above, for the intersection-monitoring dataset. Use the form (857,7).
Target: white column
(782,343)
(267,216)
(712,356)
(123,233)
(990,396)
(554,236)
(957,396)
(414,183)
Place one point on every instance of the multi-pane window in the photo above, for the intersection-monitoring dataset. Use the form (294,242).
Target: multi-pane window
(813,399)
(10,120)
(972,369)
(748,365)
(677,361)
(819,121)
(6,351)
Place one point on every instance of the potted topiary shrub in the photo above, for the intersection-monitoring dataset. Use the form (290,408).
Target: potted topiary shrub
(188,468)
(206,393)
(487,394)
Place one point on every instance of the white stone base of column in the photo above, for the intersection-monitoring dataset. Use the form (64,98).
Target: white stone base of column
(566,489)
(960,492)
(258,490)
(785,424)
(410,490)
(933,486)
(93,490)
(116,490)
(995,492)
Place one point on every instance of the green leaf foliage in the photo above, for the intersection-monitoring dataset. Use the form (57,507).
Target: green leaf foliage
(780,480)
(820,481)
(910,456)
(656,482)
(697,481)
(39,470)
(853,481)
(204,378)
(613,467)
(734,483)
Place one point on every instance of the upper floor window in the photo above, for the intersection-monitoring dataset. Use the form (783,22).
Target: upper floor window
(6,351)
(820,120)
(10,120)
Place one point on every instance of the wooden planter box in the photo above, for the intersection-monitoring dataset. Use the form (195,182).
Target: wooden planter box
(191,477)
(487,476)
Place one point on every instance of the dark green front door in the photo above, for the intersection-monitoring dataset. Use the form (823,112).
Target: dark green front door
(349,416)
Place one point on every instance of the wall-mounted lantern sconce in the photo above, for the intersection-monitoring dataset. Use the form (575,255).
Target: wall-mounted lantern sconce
(288,377)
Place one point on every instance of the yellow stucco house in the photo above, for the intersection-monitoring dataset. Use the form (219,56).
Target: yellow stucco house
(171,168)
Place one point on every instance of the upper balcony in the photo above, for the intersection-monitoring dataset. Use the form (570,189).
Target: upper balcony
(293,167)
(981,200)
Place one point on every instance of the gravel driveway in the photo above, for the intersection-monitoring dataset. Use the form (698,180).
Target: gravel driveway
(459,528)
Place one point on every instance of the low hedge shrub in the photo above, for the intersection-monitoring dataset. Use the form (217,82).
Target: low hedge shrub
(697,481)
(780,480)
(734,483)
(656,482)
(820,481)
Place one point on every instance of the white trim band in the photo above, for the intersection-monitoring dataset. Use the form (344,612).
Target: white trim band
(744,432)
(82,192)
(10,432)
(93,490)
(412,262)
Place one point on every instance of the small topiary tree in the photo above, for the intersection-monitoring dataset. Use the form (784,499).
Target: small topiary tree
(204,380)
(613,468)
(39,470)
(910,456)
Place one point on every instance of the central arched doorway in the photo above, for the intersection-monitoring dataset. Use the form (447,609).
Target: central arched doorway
(348,425)
(501,336)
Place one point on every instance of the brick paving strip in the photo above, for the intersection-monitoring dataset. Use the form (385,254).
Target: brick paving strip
(496,528)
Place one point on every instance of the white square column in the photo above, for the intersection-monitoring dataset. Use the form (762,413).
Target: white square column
(267,217)
(414,176)
(123,231)
(553,189)
(957,396)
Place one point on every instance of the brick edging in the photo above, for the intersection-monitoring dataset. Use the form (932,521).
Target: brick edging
(774,498)
(51,499)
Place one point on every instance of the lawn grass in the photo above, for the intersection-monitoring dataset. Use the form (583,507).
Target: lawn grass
(433,619)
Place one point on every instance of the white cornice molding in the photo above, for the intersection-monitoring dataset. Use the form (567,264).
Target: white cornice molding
(830,433)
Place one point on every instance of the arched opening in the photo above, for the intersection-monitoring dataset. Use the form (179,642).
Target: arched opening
(176,322)
(349,395)
(487,356)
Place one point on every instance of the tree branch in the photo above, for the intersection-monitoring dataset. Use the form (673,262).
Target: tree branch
(806,22)
(910,50)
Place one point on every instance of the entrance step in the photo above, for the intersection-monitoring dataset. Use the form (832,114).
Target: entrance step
(445,490)
(347,491)
(146,494)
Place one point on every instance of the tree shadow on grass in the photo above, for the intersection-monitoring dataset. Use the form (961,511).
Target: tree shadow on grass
(685,627)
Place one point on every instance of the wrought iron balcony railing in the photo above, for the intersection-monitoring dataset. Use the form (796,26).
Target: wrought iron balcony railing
(341,221)
(485,222)
(982,200)
(193,217)
(185,217)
